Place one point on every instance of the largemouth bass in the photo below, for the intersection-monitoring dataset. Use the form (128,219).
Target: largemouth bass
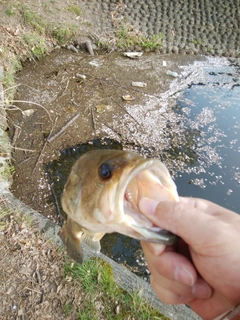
(102,195)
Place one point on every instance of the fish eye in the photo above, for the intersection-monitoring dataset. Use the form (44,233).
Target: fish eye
(105,171)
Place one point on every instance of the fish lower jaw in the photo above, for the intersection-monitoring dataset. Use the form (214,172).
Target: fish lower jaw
(139,227)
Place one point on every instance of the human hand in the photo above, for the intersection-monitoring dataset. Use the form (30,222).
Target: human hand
(203,268)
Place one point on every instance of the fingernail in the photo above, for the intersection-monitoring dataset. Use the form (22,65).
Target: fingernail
(201,290)
(147,206)
(156,248)
(184,276)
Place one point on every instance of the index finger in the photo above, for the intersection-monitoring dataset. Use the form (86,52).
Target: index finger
(208,207)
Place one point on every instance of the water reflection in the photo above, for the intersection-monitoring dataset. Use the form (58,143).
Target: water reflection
(214,112)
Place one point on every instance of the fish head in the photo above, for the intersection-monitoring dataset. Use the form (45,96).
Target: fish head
(105,187)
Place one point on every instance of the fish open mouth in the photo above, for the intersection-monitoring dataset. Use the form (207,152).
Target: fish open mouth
(151,179)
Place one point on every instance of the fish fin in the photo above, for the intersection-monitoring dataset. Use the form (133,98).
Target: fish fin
(98,236)
(90,241)
(70,234)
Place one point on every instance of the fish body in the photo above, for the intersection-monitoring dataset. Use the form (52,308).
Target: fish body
(102,195)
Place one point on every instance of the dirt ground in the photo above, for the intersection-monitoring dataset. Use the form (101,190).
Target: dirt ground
(32,282)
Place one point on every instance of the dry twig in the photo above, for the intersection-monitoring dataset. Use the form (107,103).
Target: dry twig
(50,139)
(40,155)
(93,118)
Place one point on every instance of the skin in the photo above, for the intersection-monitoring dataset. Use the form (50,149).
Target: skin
(203,269)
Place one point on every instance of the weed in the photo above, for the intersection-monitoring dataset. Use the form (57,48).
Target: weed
(128,38)
(151,43)
(17,65)
(4,216)
(197,41)
(89,311)
(9,12)
(9,77)
(64,34)
(33,20)
(36,44)
(122,32)
(104,45)
(87,272)
(87,23)
(47,7)
(67,309)
(75,10)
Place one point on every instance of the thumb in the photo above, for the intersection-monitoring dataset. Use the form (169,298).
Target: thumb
(191,224)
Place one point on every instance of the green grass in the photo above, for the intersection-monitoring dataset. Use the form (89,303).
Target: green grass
(64,34)
(103,45)
(126,38)
(67,309)
(10,74)
(97,282)
(10,12)
(33,20)
(75,10)
(36,44)
(197,41)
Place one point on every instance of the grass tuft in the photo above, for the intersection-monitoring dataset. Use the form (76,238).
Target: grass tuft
(64,34)
(36,44)
(33,20)
(96,279)
(75,10)
(127,37)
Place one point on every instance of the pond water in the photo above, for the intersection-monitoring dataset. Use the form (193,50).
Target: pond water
(218,134)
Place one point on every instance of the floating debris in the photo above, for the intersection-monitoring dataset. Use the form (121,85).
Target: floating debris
(139,84)
(94,63)
(198,182)
(82,76)
(172,73)
(133,55)
(100,108)
(128,97)
(28,113)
